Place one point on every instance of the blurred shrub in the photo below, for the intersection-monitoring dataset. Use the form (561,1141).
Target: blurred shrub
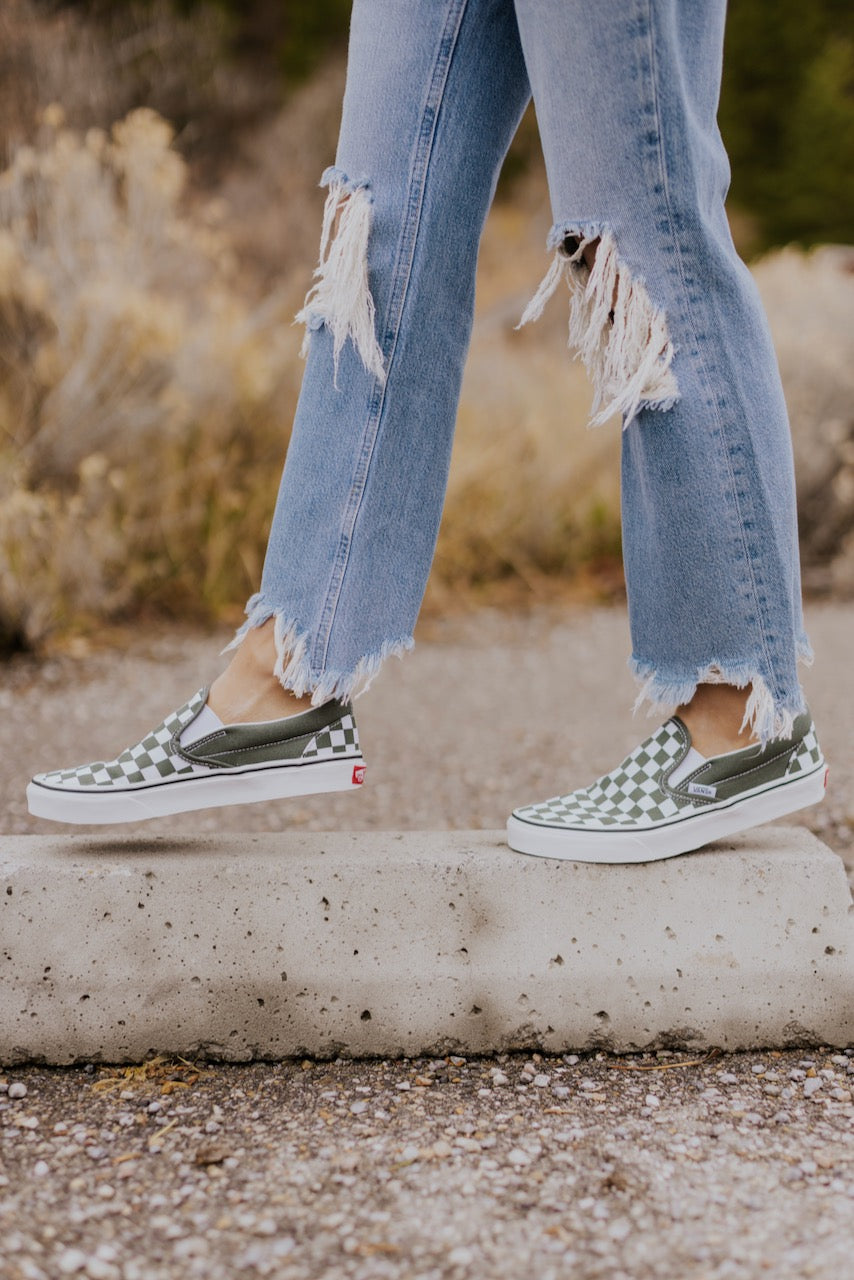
(141,399)
(787,117)
(810,303)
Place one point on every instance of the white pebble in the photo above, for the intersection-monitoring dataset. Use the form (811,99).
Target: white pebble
(18,1090)
(356,1108)
(652,1101)
(70,1261)
(811,1086)
(518,1156)
(99,1269)
(41,1168)
(191,1247)
(541,1081)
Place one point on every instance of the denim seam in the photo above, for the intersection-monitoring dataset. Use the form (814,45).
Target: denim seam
(771,674)
(397,300)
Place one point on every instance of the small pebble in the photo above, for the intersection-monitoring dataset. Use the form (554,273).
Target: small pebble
(18,1089)
(71,1261)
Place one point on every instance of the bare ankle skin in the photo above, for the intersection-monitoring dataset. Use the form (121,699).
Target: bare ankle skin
(247,690)
(714,716)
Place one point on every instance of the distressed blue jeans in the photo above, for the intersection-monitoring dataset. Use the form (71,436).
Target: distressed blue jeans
(661,309)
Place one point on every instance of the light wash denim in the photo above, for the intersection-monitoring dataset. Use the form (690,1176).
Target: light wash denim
(668,322)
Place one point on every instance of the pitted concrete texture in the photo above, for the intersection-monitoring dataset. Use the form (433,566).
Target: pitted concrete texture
(267,946)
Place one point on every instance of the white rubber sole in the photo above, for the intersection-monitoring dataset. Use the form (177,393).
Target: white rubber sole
(667,840)
(135,804)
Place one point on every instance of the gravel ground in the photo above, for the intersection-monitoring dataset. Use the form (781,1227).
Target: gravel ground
(733,1166)
(737,1166)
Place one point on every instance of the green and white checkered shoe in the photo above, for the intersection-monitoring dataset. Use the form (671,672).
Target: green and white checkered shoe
(314,751)
(648,808)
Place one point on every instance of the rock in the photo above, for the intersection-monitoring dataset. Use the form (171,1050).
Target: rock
(191,1247)
(71,1261)
(99,1269)
(17,1090)
(212,1153)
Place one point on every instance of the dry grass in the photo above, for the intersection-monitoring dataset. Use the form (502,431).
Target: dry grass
(141,396)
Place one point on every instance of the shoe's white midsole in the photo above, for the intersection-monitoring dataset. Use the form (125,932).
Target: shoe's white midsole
(649,844)
(133,804)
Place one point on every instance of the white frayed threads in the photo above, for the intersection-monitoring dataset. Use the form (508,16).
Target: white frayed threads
(762,716)
(620,337)
(292,666)
(341,298)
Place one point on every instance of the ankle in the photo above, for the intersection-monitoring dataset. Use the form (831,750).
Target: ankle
(248,689)
(714,718)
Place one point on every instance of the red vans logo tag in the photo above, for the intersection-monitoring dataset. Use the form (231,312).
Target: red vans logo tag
(358,774)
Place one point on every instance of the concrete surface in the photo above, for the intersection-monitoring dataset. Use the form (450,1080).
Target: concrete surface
(239,947)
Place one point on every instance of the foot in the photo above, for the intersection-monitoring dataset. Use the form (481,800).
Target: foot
(174,769)
(652,807)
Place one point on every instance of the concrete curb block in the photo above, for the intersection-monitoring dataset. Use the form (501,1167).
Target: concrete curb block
(362,944)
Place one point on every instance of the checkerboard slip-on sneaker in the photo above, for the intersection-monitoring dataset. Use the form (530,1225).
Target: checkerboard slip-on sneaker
(314,751)
(635,814)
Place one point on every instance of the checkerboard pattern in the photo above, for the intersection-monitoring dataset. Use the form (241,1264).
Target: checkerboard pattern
(154,759)
(808,755)
(151,760)
(339,739)
(631,795)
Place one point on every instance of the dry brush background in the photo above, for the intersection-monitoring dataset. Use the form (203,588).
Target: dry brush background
(149,367)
